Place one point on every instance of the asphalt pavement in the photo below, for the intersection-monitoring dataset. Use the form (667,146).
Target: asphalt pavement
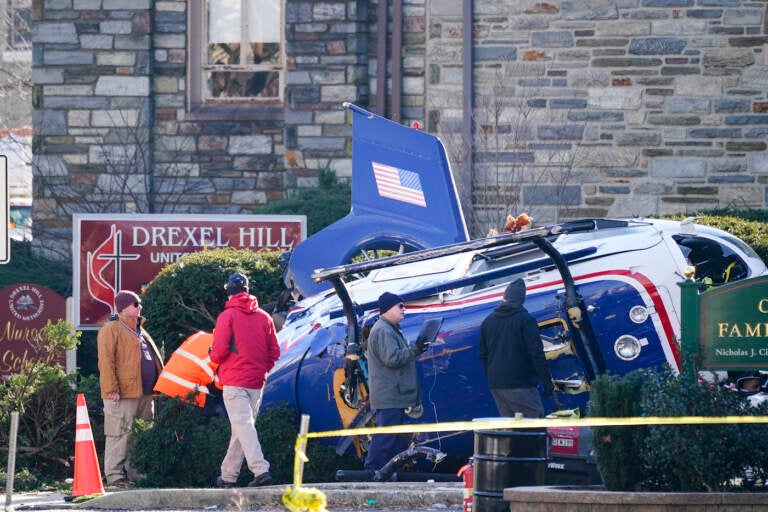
(340,497)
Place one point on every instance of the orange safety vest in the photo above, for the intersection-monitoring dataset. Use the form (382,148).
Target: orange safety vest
(189,370)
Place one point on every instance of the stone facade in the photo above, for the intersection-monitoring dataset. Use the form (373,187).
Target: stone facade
(581,108)
(114,131)
(606,108)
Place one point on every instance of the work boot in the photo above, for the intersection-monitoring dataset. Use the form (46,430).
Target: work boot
(121,483)
(262,479)
(220,482)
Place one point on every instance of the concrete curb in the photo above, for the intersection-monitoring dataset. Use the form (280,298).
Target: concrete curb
(351,495)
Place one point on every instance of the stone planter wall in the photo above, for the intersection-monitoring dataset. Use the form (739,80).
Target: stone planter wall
(565,499)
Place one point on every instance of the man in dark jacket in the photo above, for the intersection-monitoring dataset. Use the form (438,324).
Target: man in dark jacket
(394,382)
(245,348)
(513,356)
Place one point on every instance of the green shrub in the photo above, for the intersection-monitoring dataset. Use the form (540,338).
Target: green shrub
(613,396)
(184,448)
(698,457)
(323,205)
(278,429)
(26,268)
(188,295)
(23,480)
(181,448)
(45,440)
(675,457)
(42,394)
(87,354)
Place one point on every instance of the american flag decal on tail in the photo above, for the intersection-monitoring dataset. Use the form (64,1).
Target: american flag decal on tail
(398,184)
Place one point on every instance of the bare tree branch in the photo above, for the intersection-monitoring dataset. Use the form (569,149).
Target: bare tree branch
(516,170)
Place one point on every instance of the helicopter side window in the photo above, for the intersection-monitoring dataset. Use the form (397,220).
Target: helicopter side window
(712,260)
(502,257)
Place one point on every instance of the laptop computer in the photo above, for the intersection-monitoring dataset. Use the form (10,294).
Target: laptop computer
(430,328)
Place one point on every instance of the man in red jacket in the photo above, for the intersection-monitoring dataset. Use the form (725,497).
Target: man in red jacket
(245,347)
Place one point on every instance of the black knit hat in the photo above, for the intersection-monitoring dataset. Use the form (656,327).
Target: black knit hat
(387,300)
(515,292)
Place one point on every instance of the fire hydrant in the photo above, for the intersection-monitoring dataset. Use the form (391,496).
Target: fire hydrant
(467,473)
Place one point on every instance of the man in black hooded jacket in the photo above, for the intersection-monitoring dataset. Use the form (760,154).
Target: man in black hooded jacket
(513,356)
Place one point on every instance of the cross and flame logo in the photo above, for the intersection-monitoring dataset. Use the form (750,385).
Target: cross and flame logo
(105,268)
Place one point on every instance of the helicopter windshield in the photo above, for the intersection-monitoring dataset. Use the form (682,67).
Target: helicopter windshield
(713,260)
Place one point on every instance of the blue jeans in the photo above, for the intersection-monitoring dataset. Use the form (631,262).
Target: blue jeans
(385,446)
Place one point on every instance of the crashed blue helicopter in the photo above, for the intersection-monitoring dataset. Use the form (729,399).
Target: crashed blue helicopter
(604,291)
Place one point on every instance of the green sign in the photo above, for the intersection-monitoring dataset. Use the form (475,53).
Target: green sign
(733,326)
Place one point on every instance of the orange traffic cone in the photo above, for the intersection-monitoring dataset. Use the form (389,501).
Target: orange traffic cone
(87,473)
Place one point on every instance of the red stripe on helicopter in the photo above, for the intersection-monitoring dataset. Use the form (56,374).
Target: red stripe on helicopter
(642,280)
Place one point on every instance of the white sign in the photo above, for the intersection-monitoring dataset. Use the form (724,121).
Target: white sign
(5,241)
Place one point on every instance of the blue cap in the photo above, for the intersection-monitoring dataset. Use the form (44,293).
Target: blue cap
(236,283)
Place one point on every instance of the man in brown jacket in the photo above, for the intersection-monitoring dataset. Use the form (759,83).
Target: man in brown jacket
(129,364)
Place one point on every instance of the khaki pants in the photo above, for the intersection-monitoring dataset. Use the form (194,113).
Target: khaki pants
(242,406)
(118,419)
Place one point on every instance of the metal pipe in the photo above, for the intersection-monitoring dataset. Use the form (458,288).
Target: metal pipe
(436,288)
(301,447)
(574,306)
(397,61)
(325,274)
(467,116)
(11,459)
(433,289)
(381,59)
(353,329)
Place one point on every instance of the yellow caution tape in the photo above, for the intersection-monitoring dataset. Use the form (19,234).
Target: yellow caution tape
(297,499)
(496,423)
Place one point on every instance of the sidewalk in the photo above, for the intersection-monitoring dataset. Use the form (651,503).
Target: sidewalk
(342,495)
(44,500)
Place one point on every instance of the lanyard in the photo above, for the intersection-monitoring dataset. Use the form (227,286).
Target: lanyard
(144,346)
(138,334)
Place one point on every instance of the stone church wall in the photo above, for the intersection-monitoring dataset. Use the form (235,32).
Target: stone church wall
(580,107)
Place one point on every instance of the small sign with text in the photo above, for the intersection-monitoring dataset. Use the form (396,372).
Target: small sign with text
(734,325)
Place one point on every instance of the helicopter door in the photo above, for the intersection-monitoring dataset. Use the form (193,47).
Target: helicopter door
(567,370)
